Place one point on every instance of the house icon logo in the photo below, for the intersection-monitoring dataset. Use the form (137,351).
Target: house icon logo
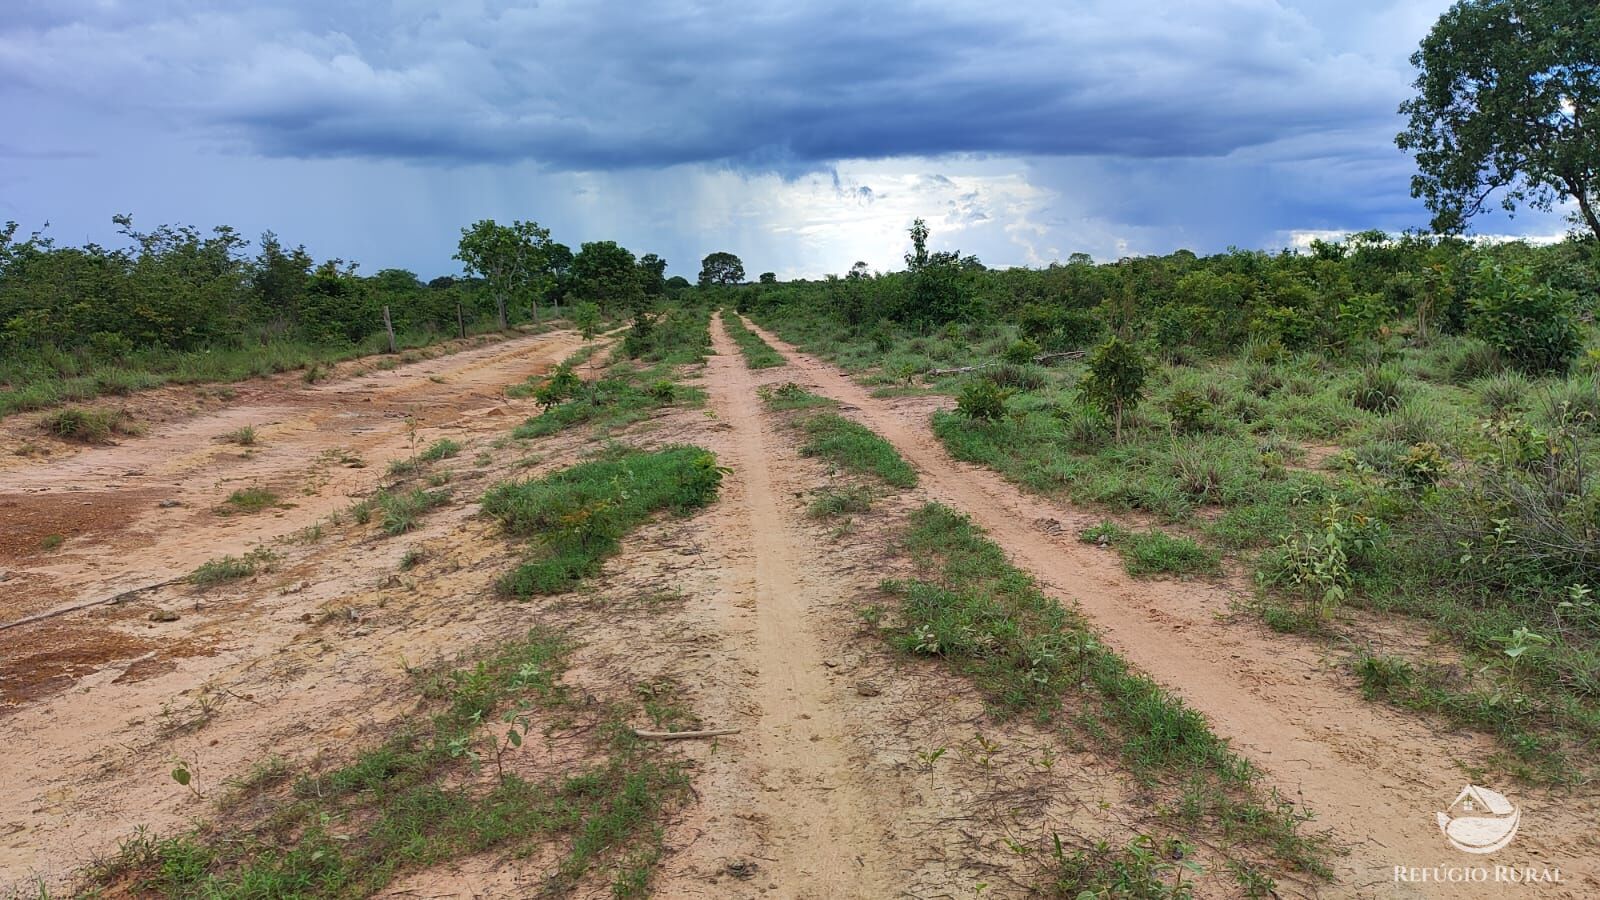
(1480,820)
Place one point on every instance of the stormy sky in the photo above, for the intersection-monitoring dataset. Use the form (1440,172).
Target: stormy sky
(801,136)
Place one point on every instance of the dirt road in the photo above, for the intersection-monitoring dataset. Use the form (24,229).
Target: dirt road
(1375,776)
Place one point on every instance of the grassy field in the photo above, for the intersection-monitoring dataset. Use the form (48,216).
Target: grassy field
(1422,479)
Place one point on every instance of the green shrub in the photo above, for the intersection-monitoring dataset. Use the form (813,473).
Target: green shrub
(1531,323)
(1114,382)
(982,400)
(1021,352)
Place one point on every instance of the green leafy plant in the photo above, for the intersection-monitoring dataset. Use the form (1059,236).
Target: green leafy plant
(1115,380)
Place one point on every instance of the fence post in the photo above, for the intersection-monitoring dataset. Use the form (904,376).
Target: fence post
(388,326)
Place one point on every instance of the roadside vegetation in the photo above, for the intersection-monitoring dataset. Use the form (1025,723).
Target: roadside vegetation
(758,354)
(1406,427)
(1031,656)
(578,516)
(177,305)
(641,378)
(461,776)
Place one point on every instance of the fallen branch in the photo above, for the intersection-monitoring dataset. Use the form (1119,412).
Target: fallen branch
(681,735)
(51,614)
(1041,359)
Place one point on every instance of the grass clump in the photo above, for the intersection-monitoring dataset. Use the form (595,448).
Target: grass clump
(833,502)
(758,354)
(626,394)
(856,448)
(401,509)
(89,426)
(580,514)
(232,568)
(443,448)
(791,396)
(244,436)
(1155,552)
(412,802)
(970,607)
(250,500)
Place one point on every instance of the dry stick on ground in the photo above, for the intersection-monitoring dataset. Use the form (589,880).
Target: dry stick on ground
(51,614)
(681,735)
(1041,358)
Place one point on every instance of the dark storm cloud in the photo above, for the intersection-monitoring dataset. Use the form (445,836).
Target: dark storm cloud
(764,86)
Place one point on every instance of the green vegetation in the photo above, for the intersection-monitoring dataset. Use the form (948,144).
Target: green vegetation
(89,426)
(968,606)
(414,801)
(244,436)
(179,306)
(1154,552)
(579,515)
(399,510)
(855,448)
(249,500)
(443,448)
(851,446)
(625,393)
(758,354)
(232,568)
(832,502)
(1403,425)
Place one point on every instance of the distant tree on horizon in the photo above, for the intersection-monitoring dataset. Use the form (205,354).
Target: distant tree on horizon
(721,267)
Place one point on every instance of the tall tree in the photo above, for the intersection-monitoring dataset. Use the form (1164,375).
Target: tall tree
(511,259)
(1508,92)
(606,274)
(721,267)
(653,275)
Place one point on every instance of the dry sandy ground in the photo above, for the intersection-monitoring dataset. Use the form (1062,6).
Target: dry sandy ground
(746,612)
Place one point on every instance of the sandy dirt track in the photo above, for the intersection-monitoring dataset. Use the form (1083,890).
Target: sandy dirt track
(745,613)
(1375,776)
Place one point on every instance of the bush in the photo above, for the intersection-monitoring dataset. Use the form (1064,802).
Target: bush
(1533,324)
(1021,352)
(982,400)
(1115,381)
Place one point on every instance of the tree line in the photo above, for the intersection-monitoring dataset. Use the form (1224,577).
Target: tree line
(176,288)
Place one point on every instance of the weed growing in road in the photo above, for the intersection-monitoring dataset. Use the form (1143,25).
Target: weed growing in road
(89,426)
(443,448)
(231,568)
(843,501)
(758,354)
(856,448)
(1155,552)
(789,395)
(52,541)
(626,394)
(969,606)
(249,500)
(580,514)
(244,436)
(402,509)
(412,802)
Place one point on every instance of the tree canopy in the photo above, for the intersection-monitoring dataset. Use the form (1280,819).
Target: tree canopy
(1506,101)
(721,268)
(513,259)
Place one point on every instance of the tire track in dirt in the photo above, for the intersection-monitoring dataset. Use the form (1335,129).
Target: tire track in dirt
(825,837)
(1375,776)
(191,470)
